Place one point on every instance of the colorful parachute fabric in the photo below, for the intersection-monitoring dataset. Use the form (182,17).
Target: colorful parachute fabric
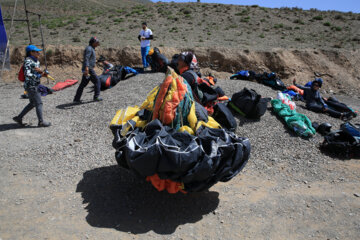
(297,122)
(171,142)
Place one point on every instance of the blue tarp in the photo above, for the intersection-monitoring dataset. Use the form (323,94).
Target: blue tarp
(3,44)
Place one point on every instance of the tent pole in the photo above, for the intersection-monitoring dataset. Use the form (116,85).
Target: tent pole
(28,22)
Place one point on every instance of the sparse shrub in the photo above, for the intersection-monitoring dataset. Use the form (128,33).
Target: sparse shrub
(298,39)
(246,19)
(264,9)
(254,6)
(76,39)
(209,33)
(339,17)
(297,27)
(327,24)
(298,21)
(336,28)
(276,26)
(49,52)
(262,36)
(262,20)
(319,17)
(118,20)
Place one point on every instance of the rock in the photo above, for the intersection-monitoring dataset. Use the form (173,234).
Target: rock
(356,194)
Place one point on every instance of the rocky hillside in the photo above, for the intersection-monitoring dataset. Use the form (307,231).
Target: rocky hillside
(117,23)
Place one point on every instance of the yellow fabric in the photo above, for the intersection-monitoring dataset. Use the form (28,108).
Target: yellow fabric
(192,119)
(211,123)
(186,129)
(122,116)
(149,101)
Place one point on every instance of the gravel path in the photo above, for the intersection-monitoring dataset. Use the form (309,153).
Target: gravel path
(62,182)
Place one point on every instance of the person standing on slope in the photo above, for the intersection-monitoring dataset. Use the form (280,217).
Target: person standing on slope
(144,37)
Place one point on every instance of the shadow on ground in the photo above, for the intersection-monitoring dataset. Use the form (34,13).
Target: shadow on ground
(12,126)
(70,105)
(117,199)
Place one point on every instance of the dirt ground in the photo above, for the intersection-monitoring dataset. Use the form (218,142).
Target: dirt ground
(63,182)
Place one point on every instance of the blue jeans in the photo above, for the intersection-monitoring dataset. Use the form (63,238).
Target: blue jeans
(144,53)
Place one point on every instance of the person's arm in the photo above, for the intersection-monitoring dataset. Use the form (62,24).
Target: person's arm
(322,100)
(87,56)
(299,86)
(139,37)
(149,38)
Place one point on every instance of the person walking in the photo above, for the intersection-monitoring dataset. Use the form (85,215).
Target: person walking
(32,75)
(144,37)
(89,72)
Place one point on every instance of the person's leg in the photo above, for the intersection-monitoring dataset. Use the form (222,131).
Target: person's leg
(147,49)
(83,84)
(36,96)
(28,107)
(334,113)
(338,106)
(96,81)
(144,52)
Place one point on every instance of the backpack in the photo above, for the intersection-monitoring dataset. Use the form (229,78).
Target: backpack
(223,115)
(248,103)
(271,80)
(21,74)
(344,142)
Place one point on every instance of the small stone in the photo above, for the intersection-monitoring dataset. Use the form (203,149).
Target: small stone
(305,182)
(222,221)
(77,140)
(356,194)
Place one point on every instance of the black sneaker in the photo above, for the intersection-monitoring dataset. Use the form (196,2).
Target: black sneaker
(18,120)
(98,99)
(44,124)
(77,101)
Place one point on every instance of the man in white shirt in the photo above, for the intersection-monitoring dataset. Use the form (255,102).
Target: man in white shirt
(144,37)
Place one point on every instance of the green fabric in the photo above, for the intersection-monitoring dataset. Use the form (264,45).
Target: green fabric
(298,122)
(233,106)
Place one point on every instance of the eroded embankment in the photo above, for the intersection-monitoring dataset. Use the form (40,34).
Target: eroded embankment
(339,68)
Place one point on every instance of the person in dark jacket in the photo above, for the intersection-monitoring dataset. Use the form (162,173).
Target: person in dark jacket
(32,74)
(183,66)
(316,103)
(89,72)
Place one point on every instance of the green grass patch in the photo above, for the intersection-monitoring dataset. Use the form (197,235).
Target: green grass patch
(318,18)
(327,24)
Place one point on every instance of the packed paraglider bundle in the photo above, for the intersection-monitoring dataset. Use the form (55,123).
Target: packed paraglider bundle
(172,142)
(297,122)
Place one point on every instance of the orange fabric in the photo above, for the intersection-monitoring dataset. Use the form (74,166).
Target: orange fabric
(162,184)
(165,107)
(223,98)
(296,89)
(161,95)
(211,80)
(107,83)
(183,69)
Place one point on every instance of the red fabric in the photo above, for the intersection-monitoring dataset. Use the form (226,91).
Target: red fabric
(165,184)
(296,89)
(61,85)
(21,74)
(107,83)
